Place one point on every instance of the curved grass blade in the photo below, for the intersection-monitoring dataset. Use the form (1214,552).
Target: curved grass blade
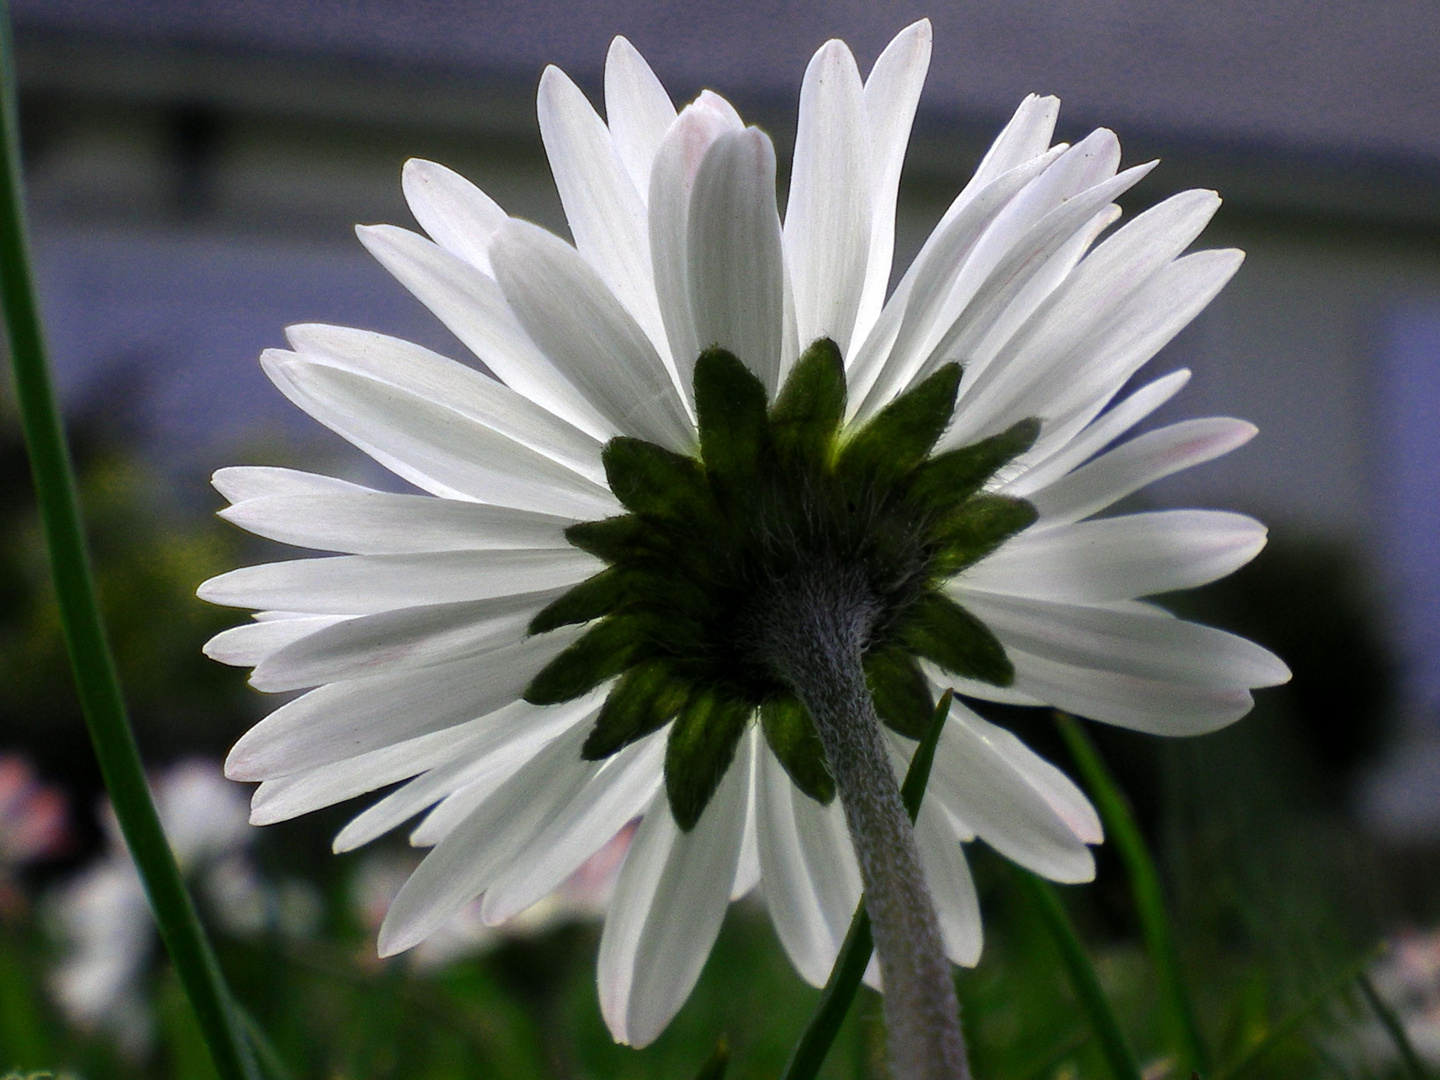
(718,1061)
(1082,976)
(1292,1023)
(1393,1027)
(1186,1042)
(267,1058)
(819,1035)
(95,677)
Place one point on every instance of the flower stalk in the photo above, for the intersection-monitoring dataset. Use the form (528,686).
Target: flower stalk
(815,640)
(96,680)
(854,957)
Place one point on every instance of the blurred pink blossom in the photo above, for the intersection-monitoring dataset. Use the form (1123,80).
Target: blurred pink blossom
(34,825)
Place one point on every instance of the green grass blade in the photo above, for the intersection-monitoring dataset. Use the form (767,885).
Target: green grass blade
(845,976)
(1082,976)
(1288,1026)
(717,1063)
(1394,1027)
(267,1058)
(849,970)
(1186,1041)
(95,677)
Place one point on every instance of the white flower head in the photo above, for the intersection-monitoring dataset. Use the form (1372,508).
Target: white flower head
(560,637)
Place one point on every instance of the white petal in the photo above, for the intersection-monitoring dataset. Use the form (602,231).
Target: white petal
(414,797)
(458,215)
(241,482)
(286,797)
(1021,278)
(1119,558)
(747,868)
(455,386)
(892,92)
(980,786)
(365,522)
(249,644)
(433,446)
(1026,136)
(1057,452)
(828,217)
(1114,283)
(914,307)
(735,267)
(605,210)
(365,584)
(495,833)
(638,110)
(941,680)
(472,307)
(500,744)
(1160,708)
(619,792)
(403,640)
(1151,645)
(1139,328)
(808,872)
(666,912)
(951,887)
(1034,226)
(1141,461)
(337,723)
(996,314)
(1057,789)
(477,784)
(571,314)
(1023,143)
(672,180)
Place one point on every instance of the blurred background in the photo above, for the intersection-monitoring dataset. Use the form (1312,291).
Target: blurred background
(195,168)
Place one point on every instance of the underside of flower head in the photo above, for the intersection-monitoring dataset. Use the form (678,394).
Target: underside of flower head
(715,549)
(659,475)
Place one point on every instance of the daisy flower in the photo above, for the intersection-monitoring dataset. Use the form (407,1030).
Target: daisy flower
(706,433)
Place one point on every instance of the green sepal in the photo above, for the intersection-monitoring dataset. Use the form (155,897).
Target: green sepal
(900,691)
(593,598)
(655,482)
(611,539)
(980,526)
(645,699)
(604,651)
(941,630)
(810,406)
(701,746)
(949,478)
(730,411)
(648,585)
(792,736)
(901,434)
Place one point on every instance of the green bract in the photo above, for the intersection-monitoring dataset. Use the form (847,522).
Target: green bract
(702,557)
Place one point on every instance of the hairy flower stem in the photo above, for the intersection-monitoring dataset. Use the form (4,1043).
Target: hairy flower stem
(813,635)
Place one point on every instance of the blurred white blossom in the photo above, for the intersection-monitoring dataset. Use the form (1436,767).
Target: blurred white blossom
(1407,978)
(104,922)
